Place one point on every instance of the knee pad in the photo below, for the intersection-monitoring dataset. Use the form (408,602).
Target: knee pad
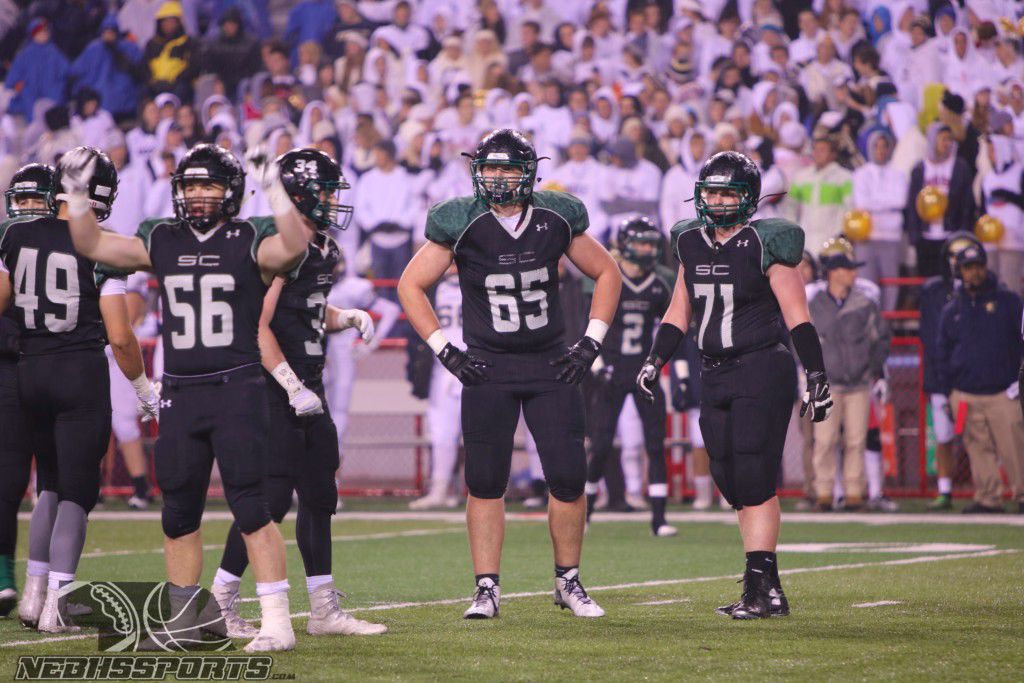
(480,487)
(279,497)
(249,508)
(319,495)
(567,486)
(180,516)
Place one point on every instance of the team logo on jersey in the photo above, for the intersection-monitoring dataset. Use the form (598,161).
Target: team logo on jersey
(542,226)
(205,260)
(233,233)
(165,403)
(716,270)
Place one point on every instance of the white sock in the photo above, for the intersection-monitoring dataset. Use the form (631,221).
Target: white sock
(314,582)
(591,488)
(275,616)
(945,485)
(632,470)
(224,577)
(38,568)
(702,486)
(264,589)
(57,579)
(873,471)
(657,490)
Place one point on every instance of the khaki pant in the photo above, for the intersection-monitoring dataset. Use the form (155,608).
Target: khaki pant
(849,413)
(993,434)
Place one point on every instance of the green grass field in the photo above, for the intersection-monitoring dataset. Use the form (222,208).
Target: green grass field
(958,586)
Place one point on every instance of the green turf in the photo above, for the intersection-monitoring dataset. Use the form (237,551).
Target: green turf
(959,619)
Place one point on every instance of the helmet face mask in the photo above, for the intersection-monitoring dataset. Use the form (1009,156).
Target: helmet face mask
(640,242)
(504,168)
(727,173)
(315,184)
(207,187)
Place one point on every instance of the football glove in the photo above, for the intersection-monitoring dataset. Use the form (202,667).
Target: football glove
(262,167)
(149,401)
(305,402)
(817,397)
(577,360)
(466,367)
(77,167)
(647,378)
(880,391)
(361,320)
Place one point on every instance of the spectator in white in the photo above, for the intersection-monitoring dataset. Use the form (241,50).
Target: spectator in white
(962,70)
(522,112)
(820,194)
(584,177)
(676,124)
(855,344)
(132,187)
(719,43)
(486,52)
(383,196)
(773,181)
(91,124)
(894,45)
(821,75)
(408,38)
(538,11)
(141,139)
(789,153)
(553,122)
(1002,193)
(451,60)
(881,189)
(631,185)
(849,33)
(604,118)
(607,43)
(805,47)
(1008,65)
(681,178)
(167,103)
(529,36)
(462,125)
(158,201)
(921,67)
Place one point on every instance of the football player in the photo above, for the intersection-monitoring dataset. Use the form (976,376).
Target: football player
(303,439)
(213,271)
(506,241)
(645,296)
(739,278)
(67,308)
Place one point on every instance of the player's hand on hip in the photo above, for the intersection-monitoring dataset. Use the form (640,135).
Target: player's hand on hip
(76,169)
(647,379)
(577,360)
(361,320)
(465,366)
(149,401)
(816,398)
(305,402)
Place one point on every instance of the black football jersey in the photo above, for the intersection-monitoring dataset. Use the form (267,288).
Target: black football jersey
(211,292)
(56,292)
(509,276)
(631,335)
(298,321)
(731,298)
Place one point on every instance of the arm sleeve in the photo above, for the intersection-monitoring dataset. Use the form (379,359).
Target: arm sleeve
(113,286)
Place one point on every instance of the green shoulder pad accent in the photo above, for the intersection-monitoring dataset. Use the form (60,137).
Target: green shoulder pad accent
(667,274)
(102,272)
(782,241)
(11,221)
(447,220)
(565,205)
(147,227)
(265,227)
(682,226)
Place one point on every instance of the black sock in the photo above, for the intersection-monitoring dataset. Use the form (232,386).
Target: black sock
(657,512)
(492,577)
(761,561)
(776,581)
(141,487)
(561,571)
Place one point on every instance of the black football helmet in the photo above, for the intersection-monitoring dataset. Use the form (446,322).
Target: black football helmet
(31,180)
(207,163)
(729,171)
(102,185)
(954,244)
(509,148)
(314,183)
(639,241)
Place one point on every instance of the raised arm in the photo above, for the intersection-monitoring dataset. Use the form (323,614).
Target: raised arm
(281,252)
(120,251)
(302,400)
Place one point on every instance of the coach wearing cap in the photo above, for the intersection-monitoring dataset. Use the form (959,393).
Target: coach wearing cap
(978,358)
(855,343)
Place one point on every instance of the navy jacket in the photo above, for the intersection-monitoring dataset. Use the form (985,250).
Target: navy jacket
(935,294)
(980,340)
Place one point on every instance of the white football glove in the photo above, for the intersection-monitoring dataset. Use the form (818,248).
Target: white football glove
(880,391)
(361,320)
(76,169)
(305,402)
(1013,391)
(149,401)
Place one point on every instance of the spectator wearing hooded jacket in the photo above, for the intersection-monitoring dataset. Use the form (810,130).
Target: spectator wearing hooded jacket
(820,194)
(232,55)
(1002,196)
(39,70)
(171,54)
(681,178)
(309,20)
(112,66)
(631,184)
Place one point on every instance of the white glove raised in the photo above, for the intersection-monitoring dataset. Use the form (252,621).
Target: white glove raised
(76,169)
(261,167)
(305,402)
(361,320)
(880,391)
(148,394)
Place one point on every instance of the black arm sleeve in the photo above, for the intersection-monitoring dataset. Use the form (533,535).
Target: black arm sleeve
(665,342)
(808,347)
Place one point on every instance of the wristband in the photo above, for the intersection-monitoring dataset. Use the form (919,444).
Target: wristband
(596,330)
(808,347)
(666,340)
(437,342)
(78,205)
(287,378)
(280,203)
(141,384)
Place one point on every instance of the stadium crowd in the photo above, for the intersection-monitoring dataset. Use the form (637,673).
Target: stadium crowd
(900,123)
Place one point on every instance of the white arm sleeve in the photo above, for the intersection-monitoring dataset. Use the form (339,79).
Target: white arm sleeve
(113,286)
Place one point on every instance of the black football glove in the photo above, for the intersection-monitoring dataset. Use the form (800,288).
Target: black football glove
(647,379)
(577,360)
(466,367)
(817,397)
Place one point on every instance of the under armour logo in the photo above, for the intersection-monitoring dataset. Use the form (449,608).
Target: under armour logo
(742,243)
(542,226)
(165,403)
(233,233)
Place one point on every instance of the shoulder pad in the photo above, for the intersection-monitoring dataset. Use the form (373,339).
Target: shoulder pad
(264,227)
(782,242)
(682,226)
(11,221)
(447,220)
(147,227)
(667,274)
(565,205)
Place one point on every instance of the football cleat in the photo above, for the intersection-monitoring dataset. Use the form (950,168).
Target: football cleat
(485,601)
(327,618)
(430,501)
(276,632)
(54,617)
(227,596)
(755,602)
(138,503)
(883,504)
(8,601)
(779,605)
(32,600)
(570,594)
(534,502)
(665,531)
(941,503)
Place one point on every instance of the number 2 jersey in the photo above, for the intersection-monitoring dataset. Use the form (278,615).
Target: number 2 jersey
(55,291)
(630,337)
(508,273)
(731,298)
(211,292)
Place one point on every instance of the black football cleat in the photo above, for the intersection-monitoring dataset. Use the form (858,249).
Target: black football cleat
(779,605)
(756,602)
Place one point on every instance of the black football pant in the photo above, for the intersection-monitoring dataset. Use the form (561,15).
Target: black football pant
(744,413)
(606,404)
(554,414)
(303,458)
(15,454)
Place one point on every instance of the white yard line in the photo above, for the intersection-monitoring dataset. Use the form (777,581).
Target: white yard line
(880,603)
(662,602)
(620,586)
